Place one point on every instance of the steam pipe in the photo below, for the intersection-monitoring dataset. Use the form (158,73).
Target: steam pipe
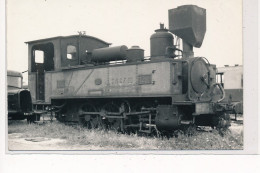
(187,50)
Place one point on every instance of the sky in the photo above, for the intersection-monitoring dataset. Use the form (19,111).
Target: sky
(120,22)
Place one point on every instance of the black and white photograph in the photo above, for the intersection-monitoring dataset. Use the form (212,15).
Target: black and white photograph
(126,76)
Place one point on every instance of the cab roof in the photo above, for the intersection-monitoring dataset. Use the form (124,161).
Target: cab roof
(70,36)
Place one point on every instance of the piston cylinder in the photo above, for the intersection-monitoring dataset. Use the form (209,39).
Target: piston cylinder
(109,54)
(159,42)
(167,117)
(134,54)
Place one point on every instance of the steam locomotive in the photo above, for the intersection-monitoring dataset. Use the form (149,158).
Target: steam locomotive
(82,79)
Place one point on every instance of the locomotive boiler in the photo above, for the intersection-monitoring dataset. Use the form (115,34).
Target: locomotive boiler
(85,80)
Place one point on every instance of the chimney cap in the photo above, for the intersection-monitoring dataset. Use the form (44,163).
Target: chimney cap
(161,25)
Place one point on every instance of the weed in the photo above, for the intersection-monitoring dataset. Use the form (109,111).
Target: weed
(111,140)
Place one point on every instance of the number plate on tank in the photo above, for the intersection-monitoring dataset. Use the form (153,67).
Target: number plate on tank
(145,79)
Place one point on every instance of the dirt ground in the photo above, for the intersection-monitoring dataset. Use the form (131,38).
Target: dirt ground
(17,143)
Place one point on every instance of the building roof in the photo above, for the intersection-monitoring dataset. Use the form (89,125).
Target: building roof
(230,68)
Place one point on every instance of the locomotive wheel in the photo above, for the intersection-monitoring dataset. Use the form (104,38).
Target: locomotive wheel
(115,124)
(222,123)
(89,121)
(59,116)
(190,129)
(125,106)
(112,123)
(93,122)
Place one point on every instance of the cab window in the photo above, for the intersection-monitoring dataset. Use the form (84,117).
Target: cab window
(220,79)
(39,56)
(71,52)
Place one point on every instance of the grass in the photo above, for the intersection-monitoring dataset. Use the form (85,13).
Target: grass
(110,140)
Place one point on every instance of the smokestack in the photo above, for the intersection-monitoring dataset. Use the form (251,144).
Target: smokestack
(161,26)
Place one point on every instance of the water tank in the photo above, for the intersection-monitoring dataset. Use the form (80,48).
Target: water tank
(189,23)
(134,54)
(159,41)
(109,54)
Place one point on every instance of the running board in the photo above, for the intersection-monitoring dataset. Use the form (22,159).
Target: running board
(186,122)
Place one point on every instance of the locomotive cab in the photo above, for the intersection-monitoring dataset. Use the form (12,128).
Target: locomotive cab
(55,54)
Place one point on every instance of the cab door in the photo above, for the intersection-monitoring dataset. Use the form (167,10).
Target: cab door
(43,55)
(40,81)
